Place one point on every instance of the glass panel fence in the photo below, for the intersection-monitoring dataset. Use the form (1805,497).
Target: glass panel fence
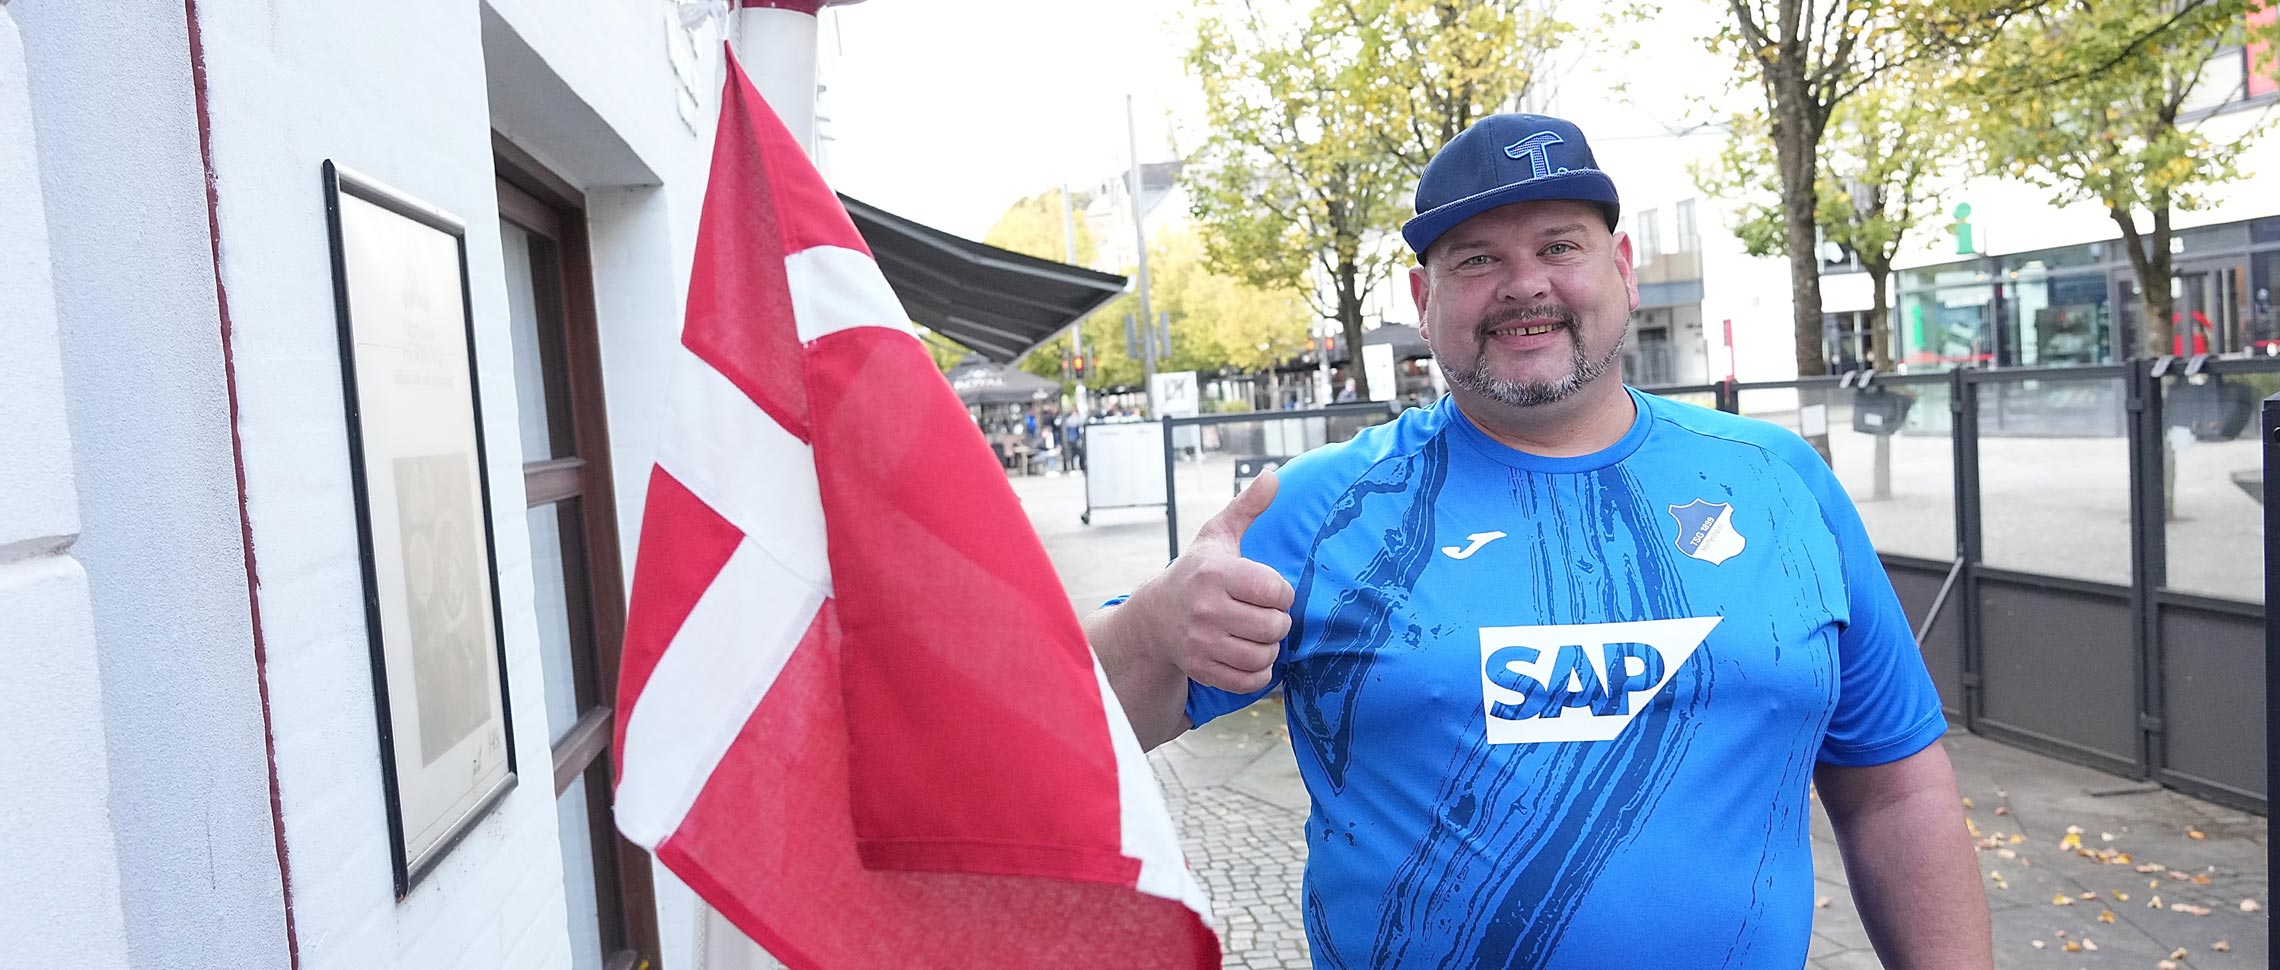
(2054,477)
(1893,458)
(2214,519)
(1214,461)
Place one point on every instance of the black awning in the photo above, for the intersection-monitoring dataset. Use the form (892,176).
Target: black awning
(999,302)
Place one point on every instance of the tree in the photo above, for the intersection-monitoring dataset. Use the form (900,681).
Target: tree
(1034,227)
(1807,57)
(1292,188)
(1321,123)
(1440,65)
(2085,99)
(1877,157)
(1216,321)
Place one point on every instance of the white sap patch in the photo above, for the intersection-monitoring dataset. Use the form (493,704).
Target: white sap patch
(1580,682)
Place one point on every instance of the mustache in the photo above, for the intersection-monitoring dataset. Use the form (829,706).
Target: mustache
(1510,315)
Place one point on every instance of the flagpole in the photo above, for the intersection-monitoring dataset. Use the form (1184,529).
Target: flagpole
(1140,236)
(775,41)
(1077,332)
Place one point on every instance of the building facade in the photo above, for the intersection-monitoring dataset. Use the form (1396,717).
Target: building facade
(194,777)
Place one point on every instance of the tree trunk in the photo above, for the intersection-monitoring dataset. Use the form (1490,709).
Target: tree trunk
(1350,319)
(1880,358)
(1880,315)
(1795,141)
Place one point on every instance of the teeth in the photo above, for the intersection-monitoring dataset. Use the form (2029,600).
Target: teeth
(1526,331)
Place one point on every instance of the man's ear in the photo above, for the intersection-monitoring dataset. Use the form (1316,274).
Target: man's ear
(1623,265)
(1419,289)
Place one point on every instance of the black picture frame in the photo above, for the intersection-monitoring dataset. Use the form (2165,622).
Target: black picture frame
(446,740)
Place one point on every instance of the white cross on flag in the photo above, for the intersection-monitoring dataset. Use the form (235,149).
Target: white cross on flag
(858,715)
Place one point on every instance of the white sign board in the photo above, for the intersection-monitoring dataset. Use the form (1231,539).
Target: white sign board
(1377,361)
(1176,394)
(1124,464)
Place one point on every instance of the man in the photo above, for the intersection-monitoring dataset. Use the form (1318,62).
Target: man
(1562,659)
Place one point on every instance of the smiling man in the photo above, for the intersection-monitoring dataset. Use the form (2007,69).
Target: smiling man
(1563,661)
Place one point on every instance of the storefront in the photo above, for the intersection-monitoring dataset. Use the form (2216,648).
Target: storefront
(2080,304)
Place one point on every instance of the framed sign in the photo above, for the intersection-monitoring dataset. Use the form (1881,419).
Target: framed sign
(423,515)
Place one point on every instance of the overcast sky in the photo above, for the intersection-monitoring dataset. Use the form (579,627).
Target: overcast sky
(948,111)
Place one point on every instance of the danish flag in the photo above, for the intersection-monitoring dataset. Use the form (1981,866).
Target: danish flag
(858,715)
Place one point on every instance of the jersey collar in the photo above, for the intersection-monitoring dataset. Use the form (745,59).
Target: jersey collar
(1641,423)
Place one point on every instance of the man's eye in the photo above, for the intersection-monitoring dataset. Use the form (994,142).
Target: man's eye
(1560,248)
(1480,260)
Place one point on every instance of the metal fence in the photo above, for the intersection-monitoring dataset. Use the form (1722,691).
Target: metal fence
(2081,548)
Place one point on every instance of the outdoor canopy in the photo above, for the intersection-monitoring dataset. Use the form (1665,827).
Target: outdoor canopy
(995,301)
(978,381)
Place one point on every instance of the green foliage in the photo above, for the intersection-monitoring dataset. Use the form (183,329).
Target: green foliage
(1440,65)
(2084,100)
(1216,320)
(1034,227)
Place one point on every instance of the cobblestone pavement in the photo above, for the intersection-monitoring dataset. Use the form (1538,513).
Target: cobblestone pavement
(1241,813)
(1234,792)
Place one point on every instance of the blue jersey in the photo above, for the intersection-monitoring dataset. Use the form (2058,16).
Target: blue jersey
(1564,712)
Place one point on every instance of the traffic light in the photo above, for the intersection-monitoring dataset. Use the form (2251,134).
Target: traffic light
(1078,365)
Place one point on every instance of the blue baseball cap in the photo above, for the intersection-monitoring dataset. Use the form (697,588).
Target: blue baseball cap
(1504,159)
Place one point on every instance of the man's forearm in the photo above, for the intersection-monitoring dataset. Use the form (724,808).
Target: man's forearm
(1152,690)
(1910,863)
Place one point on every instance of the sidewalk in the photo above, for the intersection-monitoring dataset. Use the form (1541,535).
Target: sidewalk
(1235,794)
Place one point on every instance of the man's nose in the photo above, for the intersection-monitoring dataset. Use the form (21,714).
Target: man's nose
(1524,281)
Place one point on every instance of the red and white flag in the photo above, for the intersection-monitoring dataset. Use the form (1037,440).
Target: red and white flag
(858,715)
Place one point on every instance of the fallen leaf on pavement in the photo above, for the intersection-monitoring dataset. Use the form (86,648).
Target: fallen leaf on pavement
(2190,909)
(2038,944)
(2221,946)
(2250,906)
(2073,840)
(2106,836)
(2201,880)
(1967,802)
(2106,916)
(2151,867)
(2124,897)
(2154,903)
(2017,839)
(2062,899)
(2179,875)
(2089,944)
(2177,954)
(2074,830)
(2008,853)
(2091,895)
(2196,834)
(2166,965)
(1821,903)
(2072,947)
(2002,810)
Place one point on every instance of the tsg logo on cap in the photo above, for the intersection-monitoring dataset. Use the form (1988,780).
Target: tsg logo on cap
(1537,149)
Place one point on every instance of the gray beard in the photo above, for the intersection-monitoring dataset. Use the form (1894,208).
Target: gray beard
(1526,394)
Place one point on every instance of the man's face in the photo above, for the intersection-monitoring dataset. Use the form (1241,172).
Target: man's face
(1527,303)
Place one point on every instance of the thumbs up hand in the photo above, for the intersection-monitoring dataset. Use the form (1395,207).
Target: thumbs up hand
(1221,618)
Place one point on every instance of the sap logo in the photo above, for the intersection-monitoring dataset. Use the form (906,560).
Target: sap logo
(1582,682)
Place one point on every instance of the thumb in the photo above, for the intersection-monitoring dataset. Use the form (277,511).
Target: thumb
(1229,525)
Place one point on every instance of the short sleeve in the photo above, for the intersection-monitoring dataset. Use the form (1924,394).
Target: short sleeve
(1887,708)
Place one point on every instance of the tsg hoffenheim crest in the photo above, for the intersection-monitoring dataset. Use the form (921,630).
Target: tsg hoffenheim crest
(1706,531)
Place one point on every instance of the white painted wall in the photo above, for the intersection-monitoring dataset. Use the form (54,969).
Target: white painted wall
(188,783)
(409,94)
(60,902)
